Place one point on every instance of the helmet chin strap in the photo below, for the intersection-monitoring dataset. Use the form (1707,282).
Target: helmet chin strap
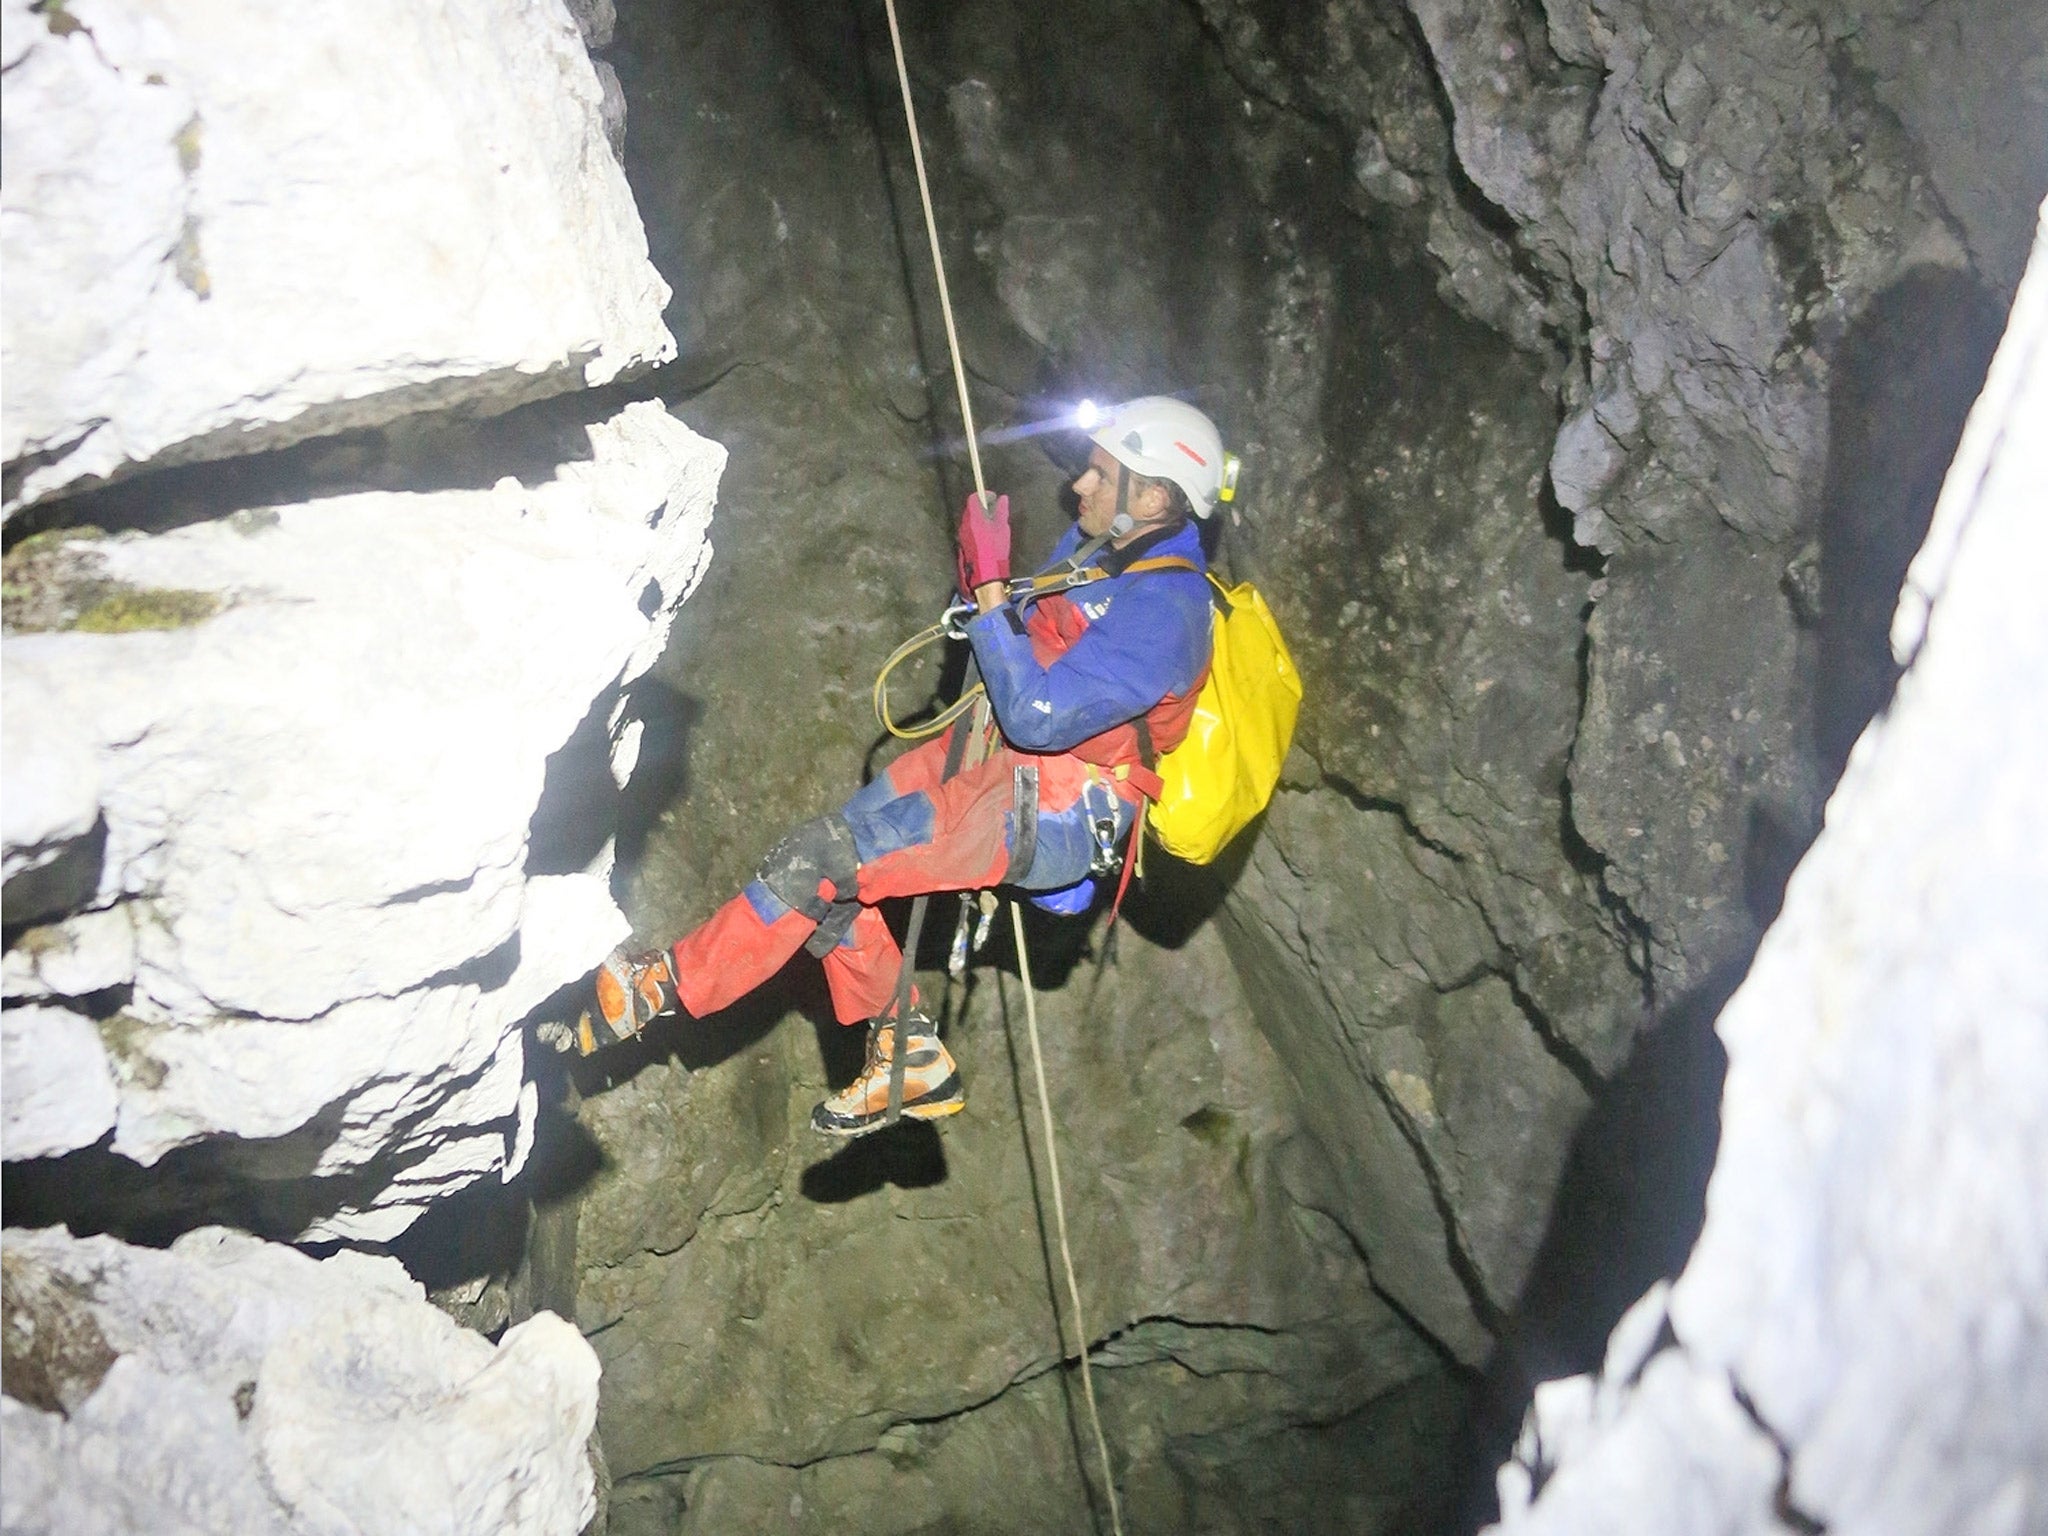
(1123,522)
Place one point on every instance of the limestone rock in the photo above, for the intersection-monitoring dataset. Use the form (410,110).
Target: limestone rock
(318,803)
(1678,782)
(239,1386)
(1869,1277)
(1958,76)
(228,226)
(60,1089)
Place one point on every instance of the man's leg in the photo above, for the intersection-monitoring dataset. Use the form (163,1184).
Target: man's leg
(967,840)
(909,832)
(738,947)
(959,835)
(810,873)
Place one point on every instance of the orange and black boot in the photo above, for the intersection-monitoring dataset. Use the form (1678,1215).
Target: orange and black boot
(634,988)
(931,1083)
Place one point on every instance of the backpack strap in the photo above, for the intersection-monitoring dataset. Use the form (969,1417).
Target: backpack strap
(1030,589)
(1147,753)
(1163,563)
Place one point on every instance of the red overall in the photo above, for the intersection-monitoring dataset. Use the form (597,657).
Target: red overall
(916,832)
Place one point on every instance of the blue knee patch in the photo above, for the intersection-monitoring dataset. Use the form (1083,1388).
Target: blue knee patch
(766,904)
(905,821)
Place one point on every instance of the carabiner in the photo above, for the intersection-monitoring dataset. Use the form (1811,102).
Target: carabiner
(953,622)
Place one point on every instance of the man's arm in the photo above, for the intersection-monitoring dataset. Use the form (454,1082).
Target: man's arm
(1153,641)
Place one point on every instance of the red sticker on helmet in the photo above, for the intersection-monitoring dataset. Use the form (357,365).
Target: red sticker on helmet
(1184,448)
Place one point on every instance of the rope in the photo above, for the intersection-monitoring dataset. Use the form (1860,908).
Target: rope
(978,729)
(931,229)
(1059,1211)
(1022,592)
(944,717)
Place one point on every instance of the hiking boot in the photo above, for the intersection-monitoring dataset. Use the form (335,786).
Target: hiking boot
(931,1084)
(634,988)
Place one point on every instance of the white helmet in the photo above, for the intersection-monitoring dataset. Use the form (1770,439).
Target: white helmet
(1167,439)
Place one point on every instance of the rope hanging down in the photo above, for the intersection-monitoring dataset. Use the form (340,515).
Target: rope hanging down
(1059,1211)
(931,230)
(979,732)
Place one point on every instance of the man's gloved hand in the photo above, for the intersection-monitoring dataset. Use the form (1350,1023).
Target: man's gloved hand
(984,543)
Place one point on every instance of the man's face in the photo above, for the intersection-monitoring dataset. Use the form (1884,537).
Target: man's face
(1096,488)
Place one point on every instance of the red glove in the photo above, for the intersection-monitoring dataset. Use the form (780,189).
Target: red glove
(984,543)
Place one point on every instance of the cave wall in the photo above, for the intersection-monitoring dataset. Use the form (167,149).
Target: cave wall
(1856,1342)
(1593,365)
(205,314)
(280,729)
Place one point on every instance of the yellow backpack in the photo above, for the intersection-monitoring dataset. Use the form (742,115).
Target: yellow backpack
(1215,783)
(1222,774)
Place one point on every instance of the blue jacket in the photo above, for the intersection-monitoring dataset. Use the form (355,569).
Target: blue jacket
(1074,671)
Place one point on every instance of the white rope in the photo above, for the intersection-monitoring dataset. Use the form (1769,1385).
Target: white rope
(1059,1211)
(1052,1160)
(931,229)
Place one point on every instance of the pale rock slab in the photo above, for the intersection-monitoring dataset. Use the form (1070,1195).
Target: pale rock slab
(401,207)
(229,1385)
(316,804)
(1868,1283)
(86,954)
(58,1088)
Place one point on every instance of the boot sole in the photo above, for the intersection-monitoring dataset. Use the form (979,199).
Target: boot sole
(935,1105)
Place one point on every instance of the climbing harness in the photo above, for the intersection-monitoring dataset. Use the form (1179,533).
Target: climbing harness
(979,734)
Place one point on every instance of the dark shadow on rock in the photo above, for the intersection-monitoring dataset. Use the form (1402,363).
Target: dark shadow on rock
(661,773)
(58,887)
(581,804)
(1176,898)
(1628,1209)
(520,1236)
(434,447)
(261,1186)
(1558,526)
(908,1154)
(1774,841)
(477,1231)
(565,1157)
(1905,375)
